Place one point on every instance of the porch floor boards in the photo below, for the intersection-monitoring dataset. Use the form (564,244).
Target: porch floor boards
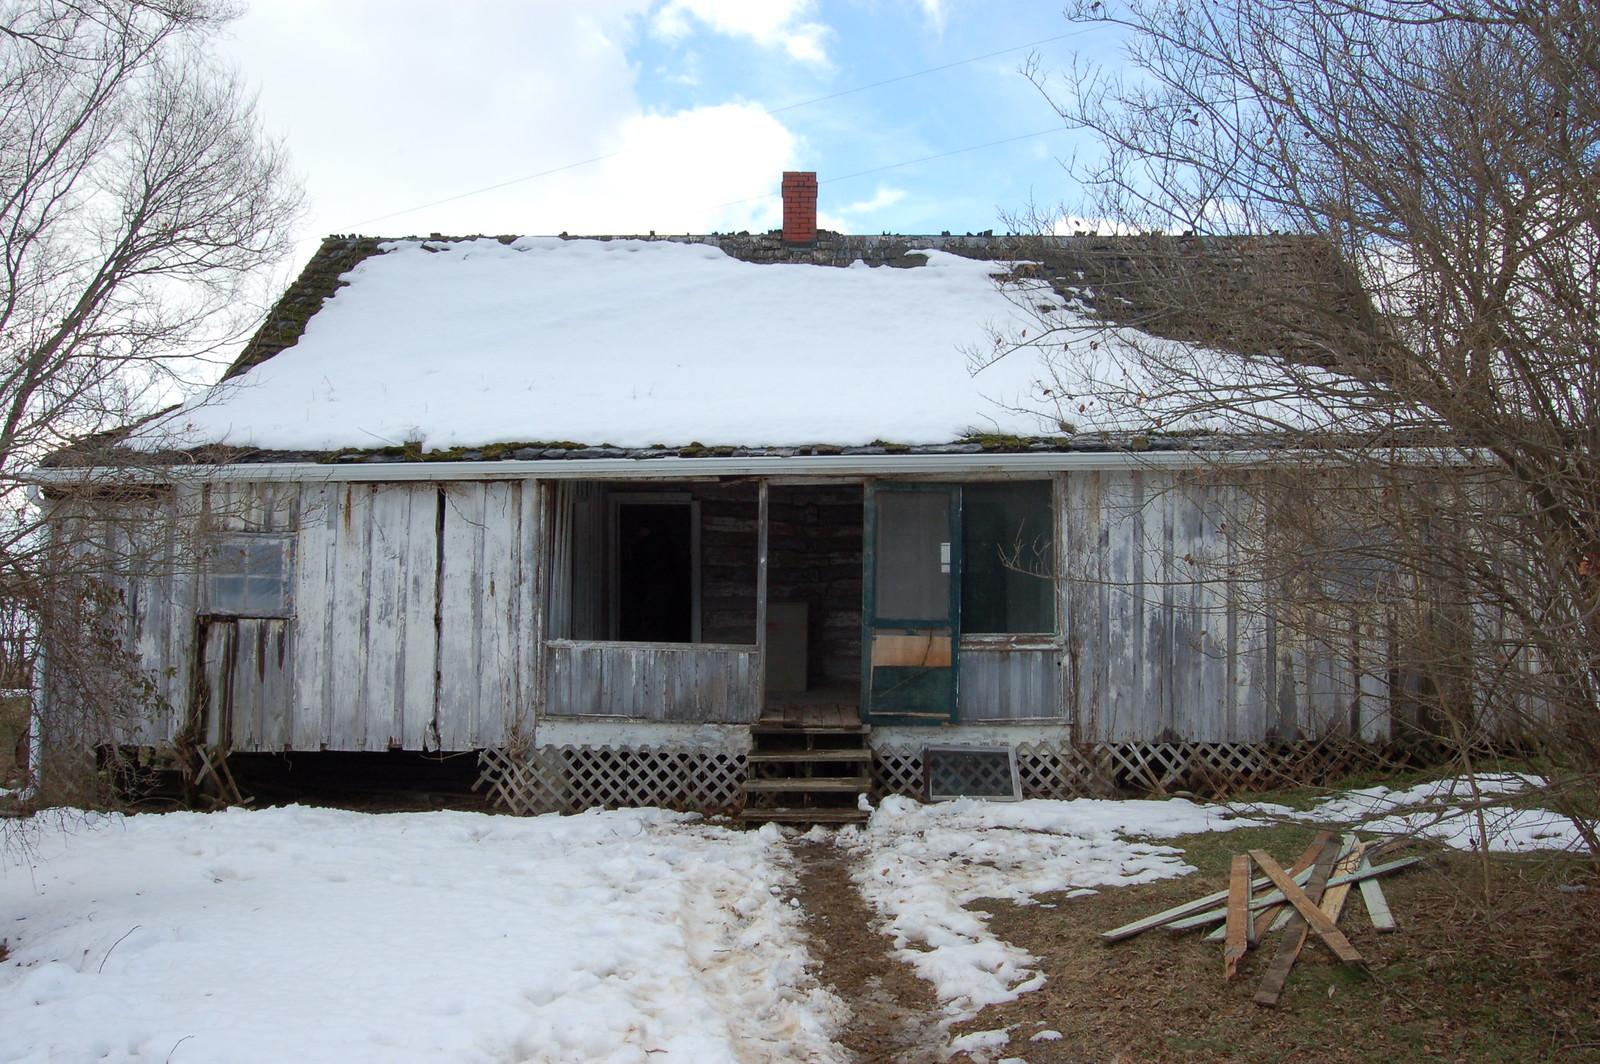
(809,759)
(811,709)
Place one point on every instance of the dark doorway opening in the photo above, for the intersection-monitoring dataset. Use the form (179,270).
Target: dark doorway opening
(813,665)
(655,572)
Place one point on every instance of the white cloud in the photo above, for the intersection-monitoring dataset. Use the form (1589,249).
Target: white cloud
(380,118)
(934,12)
(770,23)
(885,196)
(857,217)
(706,169)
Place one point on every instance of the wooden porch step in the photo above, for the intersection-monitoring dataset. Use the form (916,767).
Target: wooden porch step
(815,784)
(763,727)
(779,756)
(805,816)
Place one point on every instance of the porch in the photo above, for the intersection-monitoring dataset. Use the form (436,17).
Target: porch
(764,601)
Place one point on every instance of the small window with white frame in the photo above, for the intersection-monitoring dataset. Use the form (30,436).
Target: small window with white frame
(250,575)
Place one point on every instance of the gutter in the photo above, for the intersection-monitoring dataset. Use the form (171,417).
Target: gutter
(661,468)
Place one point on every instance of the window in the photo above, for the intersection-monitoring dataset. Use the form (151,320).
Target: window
(657,561)
(249,575)
(1008,558)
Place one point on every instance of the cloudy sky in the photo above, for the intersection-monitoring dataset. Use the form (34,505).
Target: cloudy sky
(666,115)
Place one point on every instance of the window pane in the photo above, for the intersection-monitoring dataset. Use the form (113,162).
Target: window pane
(1008,558)
(912,583)
(247,576)
(265,559)
(225,593)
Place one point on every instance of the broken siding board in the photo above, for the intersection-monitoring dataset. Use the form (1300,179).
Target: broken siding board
(1373,681)
(1183,559)
(501,555)
(277,683)
(1161,571)
(1088,627)
(1065,677)
(1217,633)
(182,590)
(419,640)
(530,634)
(313,591)
(149,606)
(244,686)
(1252,666)
(389,517)
(348,625)
(1125,633)
(1322,691)
(217,663)
(461,606)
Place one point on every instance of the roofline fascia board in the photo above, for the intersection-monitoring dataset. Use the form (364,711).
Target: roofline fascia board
(658,468)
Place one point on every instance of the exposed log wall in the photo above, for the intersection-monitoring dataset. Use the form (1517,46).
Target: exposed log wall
(815,543)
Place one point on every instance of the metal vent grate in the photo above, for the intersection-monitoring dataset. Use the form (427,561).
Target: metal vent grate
(970,772)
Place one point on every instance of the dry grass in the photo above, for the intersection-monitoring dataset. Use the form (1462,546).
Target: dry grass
(1514,976)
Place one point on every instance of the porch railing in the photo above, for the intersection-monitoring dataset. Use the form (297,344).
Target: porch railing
(685,682)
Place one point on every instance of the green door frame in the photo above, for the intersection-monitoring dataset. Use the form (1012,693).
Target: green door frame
(929,691)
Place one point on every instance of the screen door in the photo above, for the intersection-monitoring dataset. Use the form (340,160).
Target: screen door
(911,605)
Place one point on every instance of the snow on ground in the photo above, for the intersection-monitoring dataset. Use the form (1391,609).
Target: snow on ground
(1367,803)
(919,866)
(1443,810)
(322,935)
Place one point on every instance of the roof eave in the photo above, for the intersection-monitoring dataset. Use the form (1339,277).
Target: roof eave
(663,468)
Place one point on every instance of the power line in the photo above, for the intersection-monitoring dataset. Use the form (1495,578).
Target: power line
(491,188)
(904,162)
(770,111)
(929,70)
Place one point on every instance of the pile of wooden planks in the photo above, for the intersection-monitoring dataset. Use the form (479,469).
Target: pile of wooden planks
(1309,897)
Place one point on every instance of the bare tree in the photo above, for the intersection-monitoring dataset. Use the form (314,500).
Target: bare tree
(138,201)
(1381,221)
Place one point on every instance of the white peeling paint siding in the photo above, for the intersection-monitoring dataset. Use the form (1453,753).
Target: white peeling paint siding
(366,568)
(1164,635)
(487,617)
(417,625)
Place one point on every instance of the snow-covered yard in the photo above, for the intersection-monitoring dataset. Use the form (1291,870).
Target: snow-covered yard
(321,935)
(921,866)
(317,935)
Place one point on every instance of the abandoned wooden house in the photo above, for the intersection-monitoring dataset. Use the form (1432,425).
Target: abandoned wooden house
(710,522)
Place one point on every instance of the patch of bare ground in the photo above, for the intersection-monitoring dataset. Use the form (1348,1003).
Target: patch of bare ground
(1510,976)
(894,1015)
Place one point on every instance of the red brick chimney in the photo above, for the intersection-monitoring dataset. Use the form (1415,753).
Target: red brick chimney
(799,207)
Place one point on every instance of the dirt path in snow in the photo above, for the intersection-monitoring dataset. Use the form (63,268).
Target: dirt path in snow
(894,1014)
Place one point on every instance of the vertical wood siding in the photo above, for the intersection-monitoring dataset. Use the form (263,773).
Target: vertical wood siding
(653,681)
(1000,682)
(417,625)
(366,573)
(487,622)
(248,666)
(1164,635)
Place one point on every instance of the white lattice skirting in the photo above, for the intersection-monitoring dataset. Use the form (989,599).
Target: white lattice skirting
(1063,770)
(569,779)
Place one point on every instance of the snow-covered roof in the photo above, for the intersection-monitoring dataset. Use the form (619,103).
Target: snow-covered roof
(633,343)
(557,346)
